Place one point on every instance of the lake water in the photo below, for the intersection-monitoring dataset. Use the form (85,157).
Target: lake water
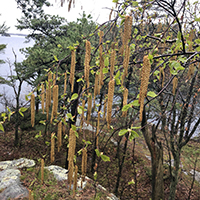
(14,43)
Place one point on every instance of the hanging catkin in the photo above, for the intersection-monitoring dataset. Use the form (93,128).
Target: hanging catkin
(42,171)
(112,63)
(72,69)
(42,97)
(84,164)
(125,98)
(89,107)
(30,195)
(32,110)
(127,33)
(71,152)
(126,60)
(52,147)
(145,72)
(175,83)
(111,88)
(59,135)
(55,103)
(87,62)
(75,180)
(101,59)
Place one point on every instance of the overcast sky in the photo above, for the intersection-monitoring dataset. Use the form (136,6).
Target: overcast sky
(97,8)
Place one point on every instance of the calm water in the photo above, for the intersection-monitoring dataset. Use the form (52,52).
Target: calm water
(14,43)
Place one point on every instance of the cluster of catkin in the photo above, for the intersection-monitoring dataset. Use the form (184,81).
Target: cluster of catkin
(55,103)
(71,153)
(125,98)
(72,69)
(146,69)
(126,60)
(175,84)
(101,60)
(111,88)
(52,147)
(59,136)
(87,62)
(127,33)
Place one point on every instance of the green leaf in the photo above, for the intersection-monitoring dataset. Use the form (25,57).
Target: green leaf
(73,127)
(21,113)
(79,110)
(59,46)
(117,75)
(133,135)
(122,132)
(197,19)
(105,70)
(8,109)
(151,94)
(95,176)
(23,109)
(69,115)
(55,57)
(131,182)
(1,127)
(117,81)
(135,103)
(106,61)
(126,107)
(105,158)
(76,133)
(134,3)
(97,152)
(74,96)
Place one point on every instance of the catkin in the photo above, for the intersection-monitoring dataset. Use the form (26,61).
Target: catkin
(55,103)
(175,83)
(71,152)
(144,82)
(42,97)
(30,195)
(84,164)
(126,60)
(125,98)
(32,110)
(72,69)
(111,88)
(87,62)
(75,180)
(59,135)
(89,107)
(112,63)
(101,59)
(52,147)
(49,88)
(42,171)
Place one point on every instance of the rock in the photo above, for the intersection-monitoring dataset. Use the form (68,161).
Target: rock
(19,163)
(10,182)
(197,175)
(10,178)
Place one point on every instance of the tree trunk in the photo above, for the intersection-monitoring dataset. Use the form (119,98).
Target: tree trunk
(156,151)
(174,178)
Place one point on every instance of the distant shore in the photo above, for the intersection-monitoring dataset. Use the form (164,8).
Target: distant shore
(14,34)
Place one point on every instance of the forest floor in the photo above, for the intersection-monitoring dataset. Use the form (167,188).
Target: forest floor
(135,182)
